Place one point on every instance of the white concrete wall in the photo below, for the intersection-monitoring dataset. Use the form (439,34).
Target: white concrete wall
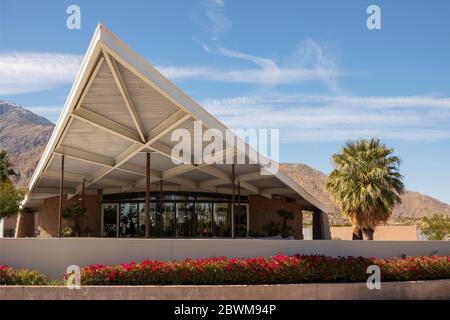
(52,256)
(405,290)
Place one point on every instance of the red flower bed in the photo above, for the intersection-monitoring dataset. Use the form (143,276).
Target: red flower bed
(271,270)
(10,276)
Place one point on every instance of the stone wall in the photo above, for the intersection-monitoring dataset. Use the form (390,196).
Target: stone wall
(263,211)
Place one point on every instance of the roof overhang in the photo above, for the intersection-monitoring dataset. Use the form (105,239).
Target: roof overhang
(119,108)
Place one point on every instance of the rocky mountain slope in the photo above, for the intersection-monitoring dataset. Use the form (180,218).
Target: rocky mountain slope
(24,135)
(414,204)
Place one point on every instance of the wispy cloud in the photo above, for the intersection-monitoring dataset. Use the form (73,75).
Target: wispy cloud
(331,118)
(23,72)
(271,76)
(308,63)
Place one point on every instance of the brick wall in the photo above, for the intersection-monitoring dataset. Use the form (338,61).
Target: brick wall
(47,215)
(25,225)
(262,211)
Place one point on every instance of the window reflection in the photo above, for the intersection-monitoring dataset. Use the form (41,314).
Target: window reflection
(110,220)
(128,220)
(222,220)
(203,223)
(175,216)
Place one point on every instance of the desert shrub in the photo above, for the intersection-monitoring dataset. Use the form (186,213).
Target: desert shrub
(24,277)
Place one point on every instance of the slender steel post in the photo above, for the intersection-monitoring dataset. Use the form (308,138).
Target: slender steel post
(233,180)
(160,205)
(212,219)
(61,194)
(147,197)
(83,194)
(238,220)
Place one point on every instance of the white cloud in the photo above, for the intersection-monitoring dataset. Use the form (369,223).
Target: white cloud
(24,72)
(247,76)
(180,73)
(308,63)
(219,23)
(328,118)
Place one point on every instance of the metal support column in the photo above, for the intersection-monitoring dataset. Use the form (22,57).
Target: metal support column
(61,195)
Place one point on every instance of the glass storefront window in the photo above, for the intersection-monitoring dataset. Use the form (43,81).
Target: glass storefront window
(166,220)
(180,216)
(128,220)
(110,212)
(203,222)
(222,220)
(184,213)
(142,219)
(241,216)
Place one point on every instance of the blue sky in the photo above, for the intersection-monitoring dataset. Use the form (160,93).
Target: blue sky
(310,68)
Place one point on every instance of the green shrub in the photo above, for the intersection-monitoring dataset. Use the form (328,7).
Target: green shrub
(436,228)
(21,277)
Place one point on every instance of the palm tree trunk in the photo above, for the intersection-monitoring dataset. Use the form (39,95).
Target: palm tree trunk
(368,234)
(357,233)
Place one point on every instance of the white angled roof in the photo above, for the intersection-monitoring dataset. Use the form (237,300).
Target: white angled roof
(120,107)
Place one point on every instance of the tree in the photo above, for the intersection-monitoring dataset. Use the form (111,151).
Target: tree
(436,228)
(285,215)
(10,199)
(6,170)
(74,213)
(274,229)
(365,184)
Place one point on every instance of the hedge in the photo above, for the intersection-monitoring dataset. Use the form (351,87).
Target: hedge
(279,269)
(22,277)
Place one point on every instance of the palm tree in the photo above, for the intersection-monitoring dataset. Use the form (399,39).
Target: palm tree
(365,184)
(6,170)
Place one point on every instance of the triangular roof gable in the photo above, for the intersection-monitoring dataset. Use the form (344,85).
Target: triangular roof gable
(105,48)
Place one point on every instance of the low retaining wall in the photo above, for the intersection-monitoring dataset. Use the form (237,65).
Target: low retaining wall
(53,256)
(437,289)
(381,233)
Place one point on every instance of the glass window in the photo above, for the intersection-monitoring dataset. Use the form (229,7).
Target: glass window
(128,220)
(110,212)
(241,216)
(203,219)
(184,213)
(142,219)
(166,220)
(222,219)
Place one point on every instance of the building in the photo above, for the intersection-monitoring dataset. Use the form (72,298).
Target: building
(111,152)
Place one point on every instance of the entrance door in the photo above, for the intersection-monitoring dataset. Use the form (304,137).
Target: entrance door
(242,220)
(110,220)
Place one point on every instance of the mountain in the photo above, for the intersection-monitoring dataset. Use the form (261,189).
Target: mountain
(414,204)
(24,135)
